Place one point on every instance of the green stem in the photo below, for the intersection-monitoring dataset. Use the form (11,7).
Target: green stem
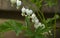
(39,15)
(43,18)
(27,21)
(39,11)
(55,19)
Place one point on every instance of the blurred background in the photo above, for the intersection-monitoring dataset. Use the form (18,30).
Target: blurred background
(8,12)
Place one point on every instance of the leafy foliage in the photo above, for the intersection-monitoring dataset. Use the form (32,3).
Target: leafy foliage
(11,25)
(37,33)
(18,27)
(40,3)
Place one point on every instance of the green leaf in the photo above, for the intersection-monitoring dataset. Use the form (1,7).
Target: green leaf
(11,25)
(4,27)
(27,22)
(28,33)
(39,36)
(51,3)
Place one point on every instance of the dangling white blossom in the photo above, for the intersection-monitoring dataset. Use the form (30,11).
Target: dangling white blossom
(33,19)
(23,10)
(28,12)
(12,2)
(36,26)
(36,21)
(18,3)
(33,16)
(39,25)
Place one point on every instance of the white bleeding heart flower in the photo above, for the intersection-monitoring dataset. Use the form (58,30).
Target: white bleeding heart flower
(36,26)
(18,3)
(33,20)
(29,12)
(36,21)
(23,10)
(39,25)
(33,16)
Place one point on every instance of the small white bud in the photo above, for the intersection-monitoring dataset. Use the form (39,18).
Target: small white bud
(50,32)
